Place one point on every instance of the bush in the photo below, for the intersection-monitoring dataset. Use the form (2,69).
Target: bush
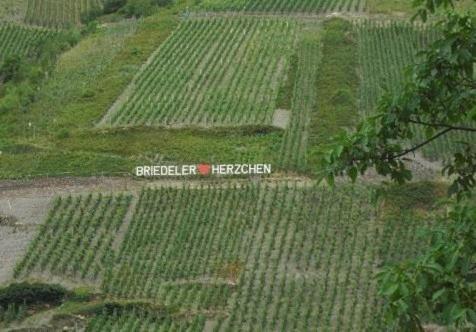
(9,102)
(35,293)
(137,8)
(91,15)
(111,6)
(10,69)
(163,3)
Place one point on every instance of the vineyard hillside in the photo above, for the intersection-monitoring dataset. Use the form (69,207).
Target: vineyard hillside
(132,135)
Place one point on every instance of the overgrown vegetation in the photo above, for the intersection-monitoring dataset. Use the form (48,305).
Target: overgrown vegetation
(22,73)
(18,298)
(337,86)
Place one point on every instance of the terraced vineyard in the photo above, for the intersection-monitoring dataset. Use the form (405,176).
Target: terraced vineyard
(386,50)
(17,39)
(279,6)
(231,257)
(218,71)
(59,13)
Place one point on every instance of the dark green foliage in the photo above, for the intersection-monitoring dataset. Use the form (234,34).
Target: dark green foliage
(111,6)
(31,294)
(91,15)
(10,68)
(413,195)
(439,285)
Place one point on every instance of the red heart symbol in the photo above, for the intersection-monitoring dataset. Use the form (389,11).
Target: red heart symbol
(204,169)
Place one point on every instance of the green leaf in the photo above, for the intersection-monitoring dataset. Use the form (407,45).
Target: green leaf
(352,172)
(389,291)
(438,294)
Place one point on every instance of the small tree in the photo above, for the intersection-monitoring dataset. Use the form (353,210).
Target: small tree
(439,98)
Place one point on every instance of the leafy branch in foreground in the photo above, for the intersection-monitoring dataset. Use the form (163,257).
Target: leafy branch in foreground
(438,98)
(438,286)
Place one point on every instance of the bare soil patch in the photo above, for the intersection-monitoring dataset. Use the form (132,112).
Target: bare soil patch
(281,118)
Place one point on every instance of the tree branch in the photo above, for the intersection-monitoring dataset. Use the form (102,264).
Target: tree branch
(443,125)
(416,147)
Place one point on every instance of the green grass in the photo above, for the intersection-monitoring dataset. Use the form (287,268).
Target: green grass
(118,152)
(337,86)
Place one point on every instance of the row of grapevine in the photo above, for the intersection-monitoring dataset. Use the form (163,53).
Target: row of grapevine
(19,40)
(216,71)
(77,238)
(294,146)
(386,50)
(286,6)
(59,13)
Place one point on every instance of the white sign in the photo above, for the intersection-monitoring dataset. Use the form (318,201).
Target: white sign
(203,169)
